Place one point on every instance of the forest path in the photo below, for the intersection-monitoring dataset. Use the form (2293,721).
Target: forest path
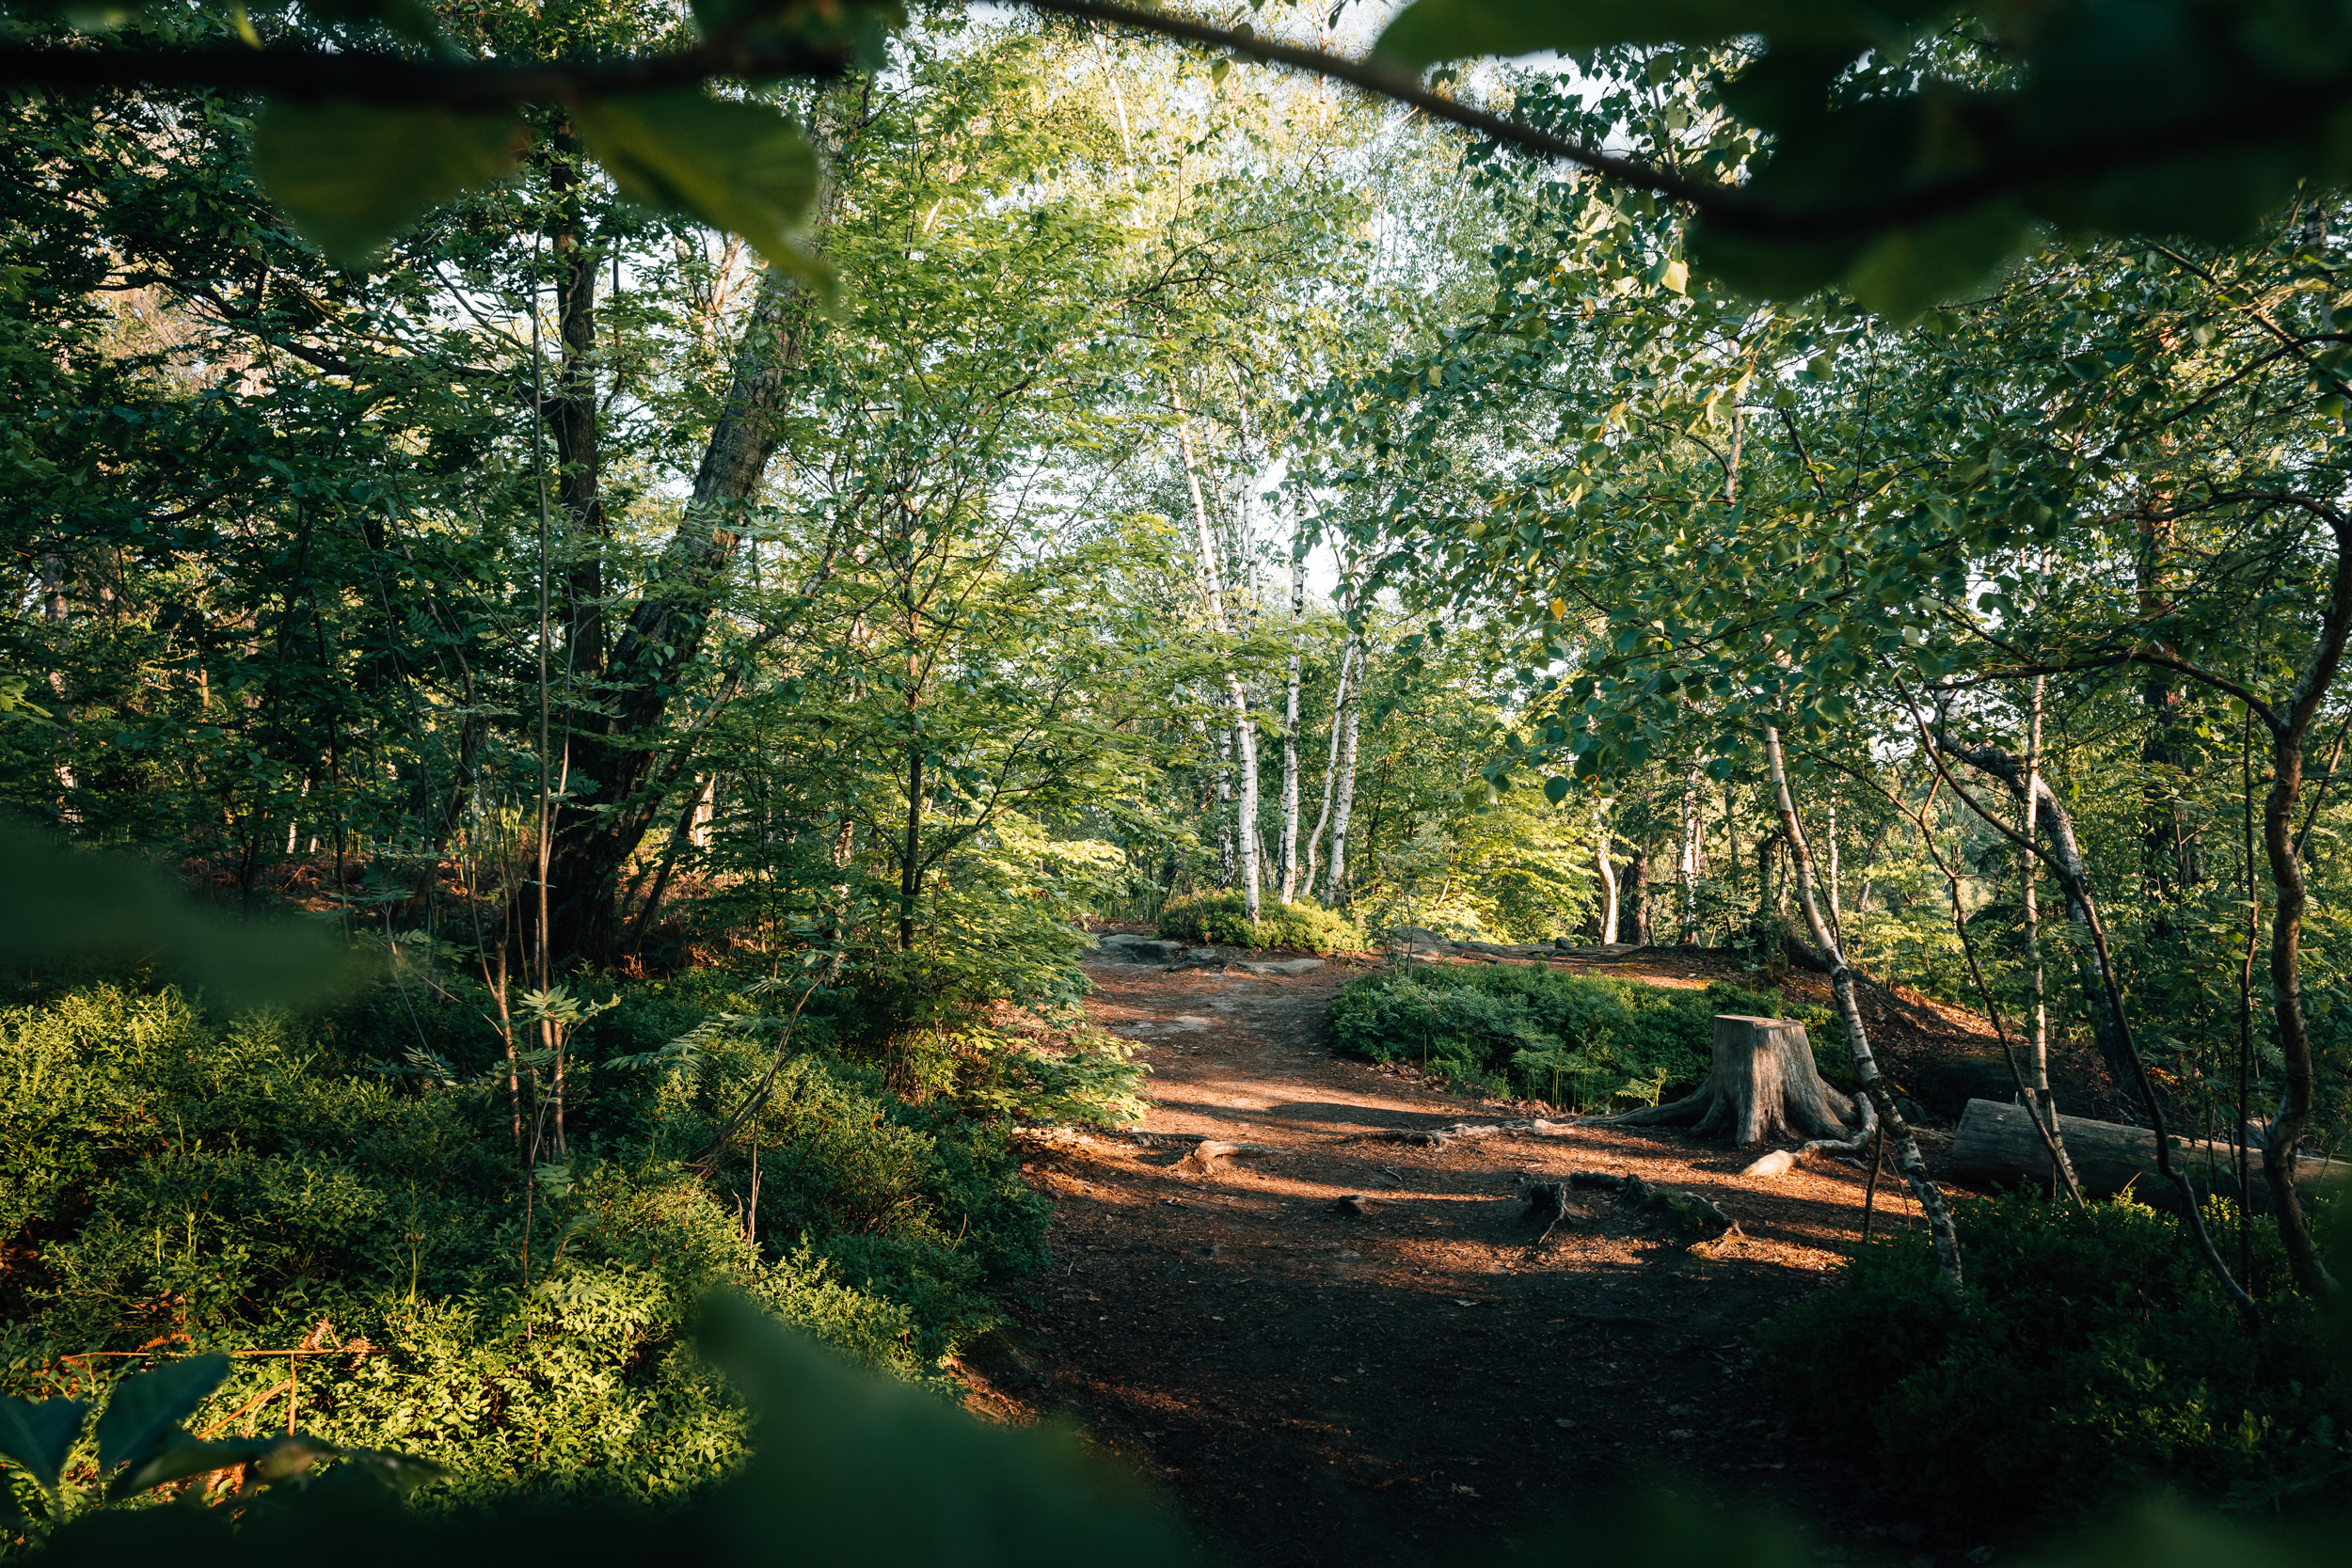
(1421,1381)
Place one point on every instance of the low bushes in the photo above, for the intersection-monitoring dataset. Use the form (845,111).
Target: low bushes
(172,1181)
(1593,1044)
(2092,1361)
(1302,925)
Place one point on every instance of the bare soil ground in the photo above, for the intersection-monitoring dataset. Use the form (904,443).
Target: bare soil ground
(1422,1381)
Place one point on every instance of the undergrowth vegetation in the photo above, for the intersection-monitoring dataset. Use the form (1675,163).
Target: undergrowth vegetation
(1219,915)
(2091,1361)
(172,1181)
(1562,1038)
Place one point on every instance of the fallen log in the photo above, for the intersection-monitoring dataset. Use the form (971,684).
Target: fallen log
(1997,1142)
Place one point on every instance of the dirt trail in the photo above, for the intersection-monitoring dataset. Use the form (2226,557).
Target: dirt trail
(1403,1385)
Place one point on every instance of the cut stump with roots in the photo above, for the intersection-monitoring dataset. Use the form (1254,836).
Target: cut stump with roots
(1763,1086)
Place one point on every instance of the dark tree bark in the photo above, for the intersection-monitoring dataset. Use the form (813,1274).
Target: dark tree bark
(571,413)
(2050,814)
(609,805)
(2290,726)
(1907,1156)
(2072,878)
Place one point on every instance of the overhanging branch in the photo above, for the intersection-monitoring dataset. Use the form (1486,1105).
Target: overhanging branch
(2277,109)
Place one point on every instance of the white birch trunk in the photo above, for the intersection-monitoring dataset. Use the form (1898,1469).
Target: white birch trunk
(1290,725)
(1608,873)
(1244,735)
(1335,880)
(1225,864)
(1330,765)
(1837,908)
(2038,1051)
(1687,864)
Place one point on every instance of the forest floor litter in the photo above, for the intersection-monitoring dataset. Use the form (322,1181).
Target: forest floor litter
(1337,1348)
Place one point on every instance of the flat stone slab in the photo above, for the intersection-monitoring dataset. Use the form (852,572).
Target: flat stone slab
(1130,947)
(1284,966)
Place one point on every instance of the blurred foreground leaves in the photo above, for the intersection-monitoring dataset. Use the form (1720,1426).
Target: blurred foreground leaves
(854,1467)
(61,907)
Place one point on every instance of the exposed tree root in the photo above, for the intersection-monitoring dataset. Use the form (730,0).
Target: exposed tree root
(1531,1126)
(1206,1153)
(1669,1206)
(1763,1084)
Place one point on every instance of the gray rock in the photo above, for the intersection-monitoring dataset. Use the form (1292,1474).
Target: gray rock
(1284,966)
(1131,947)
(1202,955)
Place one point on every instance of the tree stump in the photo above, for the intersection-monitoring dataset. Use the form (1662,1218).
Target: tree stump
(1762,1085)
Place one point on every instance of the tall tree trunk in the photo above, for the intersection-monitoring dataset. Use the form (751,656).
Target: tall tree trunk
(2066,862)
(55,611)
(2290,727)
(1837,906)
(1687,864)
(607,813)
(571,413)
(1907,1157)
(910,860)
(1644,930)
(2107,1028)
(1245,732)
(1608,874)
(1330,763)
(1228,864)
(1290,725)
(2029,869)
(1335,880)
(2169,858)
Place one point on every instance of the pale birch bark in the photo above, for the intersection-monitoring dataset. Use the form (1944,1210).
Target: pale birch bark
(1244,735)
(2038,1048)
(1335,880)
(1837,905)
(1687,863)
(1290,725)
(1330,764)
(1226,863)
(1608,873)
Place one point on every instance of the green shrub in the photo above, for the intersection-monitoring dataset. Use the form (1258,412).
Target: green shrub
(2091,1361)
(173,1180)
(1548,1034)
(1301,925)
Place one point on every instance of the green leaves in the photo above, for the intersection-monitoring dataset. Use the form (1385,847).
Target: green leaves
(39,1436)
(1433,30)
(350,176)
(744,167)
(146,1409)
(1887,162)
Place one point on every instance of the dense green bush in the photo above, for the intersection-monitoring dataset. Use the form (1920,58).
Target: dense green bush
(173,1181)
(1301,925)
(1553,1035)
(2091,1361)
